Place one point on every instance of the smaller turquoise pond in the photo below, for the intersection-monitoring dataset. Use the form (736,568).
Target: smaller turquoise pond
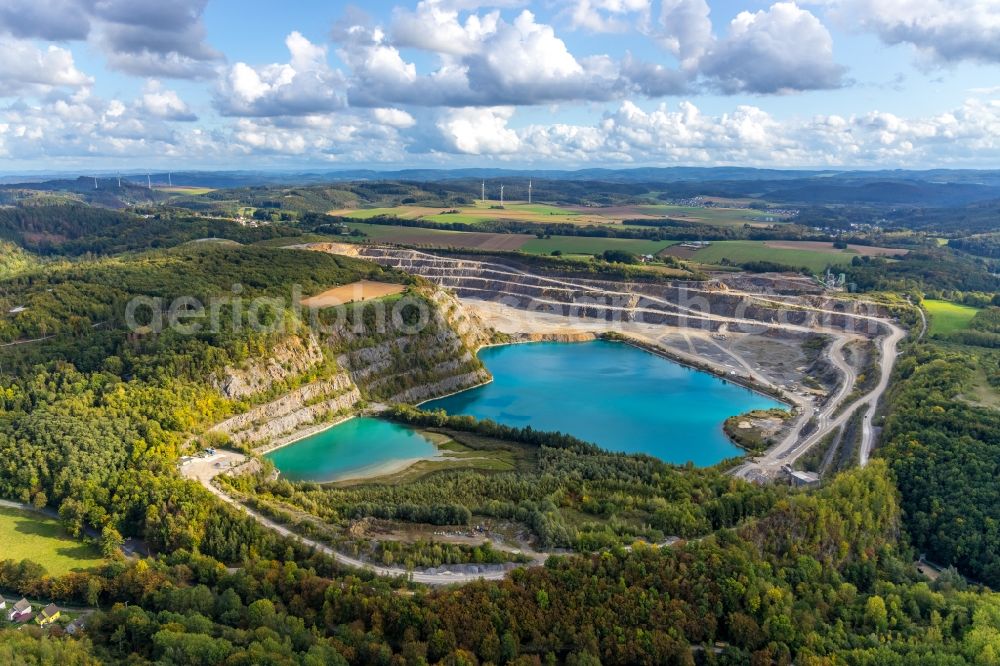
(356,448)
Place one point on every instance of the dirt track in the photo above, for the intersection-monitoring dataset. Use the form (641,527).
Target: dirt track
(204,470)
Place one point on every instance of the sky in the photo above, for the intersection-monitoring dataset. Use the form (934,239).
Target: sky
(99,85)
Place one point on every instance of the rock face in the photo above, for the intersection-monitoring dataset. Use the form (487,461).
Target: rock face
(373,363)
(442,387)
(305,405)
(290,358)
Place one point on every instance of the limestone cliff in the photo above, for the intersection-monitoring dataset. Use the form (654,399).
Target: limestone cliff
(375,362)
(305,405)
(290,358)
(390,365)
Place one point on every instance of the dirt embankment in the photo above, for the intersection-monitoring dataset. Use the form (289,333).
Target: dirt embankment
(345,249)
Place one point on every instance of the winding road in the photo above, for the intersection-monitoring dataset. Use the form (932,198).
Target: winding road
(791,448)
(205,469)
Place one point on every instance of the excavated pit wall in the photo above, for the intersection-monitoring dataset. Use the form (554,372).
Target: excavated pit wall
(670,304)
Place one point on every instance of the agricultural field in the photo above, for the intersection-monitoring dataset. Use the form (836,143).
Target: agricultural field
(32,536)
(362,290)
(542,213)
(815,257)
(183,189)
(438,238)
(480,212)
(591,245)
(948,317)
(568,245)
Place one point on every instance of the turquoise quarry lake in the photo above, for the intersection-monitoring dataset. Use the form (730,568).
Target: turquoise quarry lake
(617,396)
(355,448)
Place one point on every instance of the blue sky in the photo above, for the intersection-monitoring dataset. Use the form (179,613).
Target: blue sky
(132,84)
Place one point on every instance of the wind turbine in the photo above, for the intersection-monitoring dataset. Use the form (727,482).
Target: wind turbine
(149,181)
(483,199)
(529,191)
(501,195)
(170,181)
(95,182)
(119,180)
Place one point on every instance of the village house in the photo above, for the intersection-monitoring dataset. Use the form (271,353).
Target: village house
(48,615)
(20,612)
(76,627)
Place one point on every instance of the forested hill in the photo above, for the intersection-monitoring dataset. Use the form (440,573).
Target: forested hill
(14,260)
(95,417)
(78,229)
(820,579)
(945,454)
(70,297)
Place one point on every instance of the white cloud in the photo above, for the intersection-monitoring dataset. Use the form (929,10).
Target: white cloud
(685,29)
(967,135)
(338,137)
(942,30)
(652,79)
(780,50)
(522,62)
(608,15)
(305,85)
(73,129)
(24,68)
(435,26)
(379,73)
(394,118)
(485,60)
(80,127)
(525,62)
(166,104)
(479,131)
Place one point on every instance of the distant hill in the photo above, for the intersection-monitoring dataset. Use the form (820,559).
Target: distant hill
(222,179)
(106,192)
(323,190)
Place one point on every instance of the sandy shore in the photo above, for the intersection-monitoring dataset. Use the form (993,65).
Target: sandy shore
(381,469)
